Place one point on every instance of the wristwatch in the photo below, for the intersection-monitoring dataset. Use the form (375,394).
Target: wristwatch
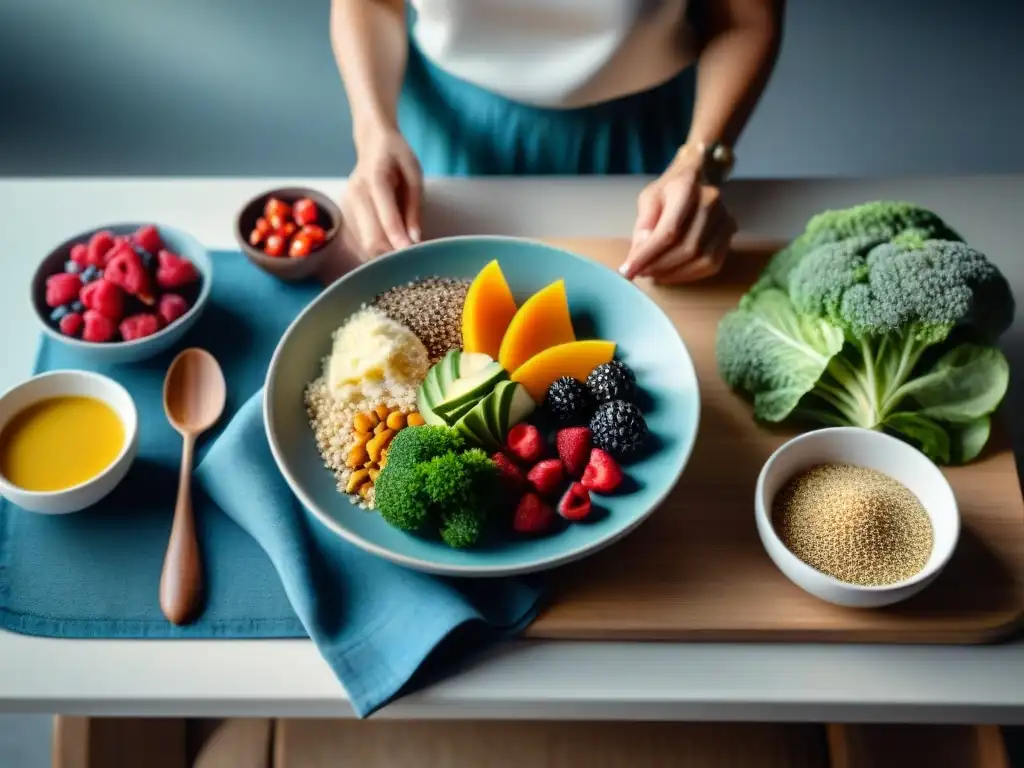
(717,162)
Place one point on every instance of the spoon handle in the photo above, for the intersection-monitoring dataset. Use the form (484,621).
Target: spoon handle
(181,582)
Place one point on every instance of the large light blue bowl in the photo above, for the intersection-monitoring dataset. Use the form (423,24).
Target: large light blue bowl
(603,305)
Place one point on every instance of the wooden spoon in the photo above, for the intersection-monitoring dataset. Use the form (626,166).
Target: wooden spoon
(194,395)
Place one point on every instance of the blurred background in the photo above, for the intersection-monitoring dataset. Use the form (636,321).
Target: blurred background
(249,87)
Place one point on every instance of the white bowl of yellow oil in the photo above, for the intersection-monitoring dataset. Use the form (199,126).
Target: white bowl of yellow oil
(67,438)
(856,517)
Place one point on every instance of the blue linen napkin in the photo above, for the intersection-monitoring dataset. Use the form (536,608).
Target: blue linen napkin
(94,574)
(377,624)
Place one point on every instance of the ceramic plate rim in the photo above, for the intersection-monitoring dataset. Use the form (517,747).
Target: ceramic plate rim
(426,566)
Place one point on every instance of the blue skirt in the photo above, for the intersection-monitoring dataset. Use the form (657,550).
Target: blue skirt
(459,129)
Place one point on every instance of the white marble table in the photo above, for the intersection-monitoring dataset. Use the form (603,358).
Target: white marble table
(694,681)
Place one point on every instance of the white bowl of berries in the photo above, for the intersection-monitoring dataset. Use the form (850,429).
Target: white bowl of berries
(124,292)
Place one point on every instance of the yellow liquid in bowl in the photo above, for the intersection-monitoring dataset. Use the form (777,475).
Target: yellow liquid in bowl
(60,442)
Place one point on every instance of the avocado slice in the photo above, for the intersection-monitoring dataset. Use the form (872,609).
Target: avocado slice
(467,389)
(448,368)
(494,400)
(429,395)
(473,426)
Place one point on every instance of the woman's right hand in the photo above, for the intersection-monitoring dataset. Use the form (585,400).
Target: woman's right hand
(384,194)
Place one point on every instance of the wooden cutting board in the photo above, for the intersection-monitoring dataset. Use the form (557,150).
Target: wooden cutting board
(696,570)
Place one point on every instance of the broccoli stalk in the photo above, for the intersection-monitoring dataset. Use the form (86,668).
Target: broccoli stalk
(883,329)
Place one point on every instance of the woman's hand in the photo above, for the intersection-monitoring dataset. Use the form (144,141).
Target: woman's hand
(682,230)
(384,194)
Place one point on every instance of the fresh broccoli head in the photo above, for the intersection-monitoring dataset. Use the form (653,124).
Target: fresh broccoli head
(402,502)
(883,333)
(450,492)
(879,221)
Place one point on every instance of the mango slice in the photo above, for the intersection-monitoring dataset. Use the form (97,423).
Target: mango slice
(542,322)
(575,358)
(487,312)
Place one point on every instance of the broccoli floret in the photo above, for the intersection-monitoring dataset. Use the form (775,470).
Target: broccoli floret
(878,333)
(450,492)
(415,444)
(879,221)
(461,527)
(401,502)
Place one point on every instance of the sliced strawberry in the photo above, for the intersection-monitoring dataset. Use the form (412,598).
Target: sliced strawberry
(573,445)
(139,326)
(62,288)
(533,515)
(104,297)
(603,474)
(575,503)
(525,442)
(71,324)
(148,239)
(98,248)
(512,479)
(98,328)
(174,271)
(547,476)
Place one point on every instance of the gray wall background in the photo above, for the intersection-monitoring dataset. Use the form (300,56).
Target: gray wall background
(249,87)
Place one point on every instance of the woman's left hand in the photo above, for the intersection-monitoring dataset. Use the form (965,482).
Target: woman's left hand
(682,230)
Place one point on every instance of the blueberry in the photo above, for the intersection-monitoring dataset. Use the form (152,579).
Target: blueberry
(59,313)
(148,260)
(89,274)
(72,267)
(143,253)
(77,306)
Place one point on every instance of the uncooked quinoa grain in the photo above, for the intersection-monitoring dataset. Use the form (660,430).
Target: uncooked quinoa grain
(431,308)
(854,524)
(332,423)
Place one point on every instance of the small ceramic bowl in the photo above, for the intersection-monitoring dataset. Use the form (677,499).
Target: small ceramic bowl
(117,352)
(874,450)
(72,384)
(284,267)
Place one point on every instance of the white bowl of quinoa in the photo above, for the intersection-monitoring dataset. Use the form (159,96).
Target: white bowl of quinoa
(856,517)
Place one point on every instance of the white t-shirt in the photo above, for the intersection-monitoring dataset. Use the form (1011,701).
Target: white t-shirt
(556,53)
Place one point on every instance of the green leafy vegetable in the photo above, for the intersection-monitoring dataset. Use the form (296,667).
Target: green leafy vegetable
(870,319)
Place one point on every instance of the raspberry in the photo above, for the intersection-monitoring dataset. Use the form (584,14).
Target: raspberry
(509,475)
(71,324)
(98,328)
(148,238)
(547,476)
(104,297)
(62,288)
(524,441)
(139,326)
(174,271)
(80,254)
(533,515)
(575,504)
(573,445)
(602,474)
(99,246)
(125,269)
(170,307)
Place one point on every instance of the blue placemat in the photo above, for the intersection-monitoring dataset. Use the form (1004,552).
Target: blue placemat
(272,571)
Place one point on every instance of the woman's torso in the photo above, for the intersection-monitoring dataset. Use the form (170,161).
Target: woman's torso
(556,53)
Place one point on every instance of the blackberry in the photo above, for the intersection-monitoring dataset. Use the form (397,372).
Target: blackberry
(612,381)
(619,428)
(569,401)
